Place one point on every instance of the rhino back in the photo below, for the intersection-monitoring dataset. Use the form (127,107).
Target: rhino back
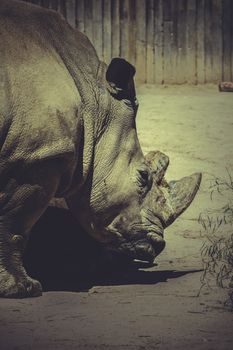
(39,98)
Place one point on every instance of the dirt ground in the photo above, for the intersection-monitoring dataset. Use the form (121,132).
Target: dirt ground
(158,307)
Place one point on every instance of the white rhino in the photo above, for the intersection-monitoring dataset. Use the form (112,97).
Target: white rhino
(67,130)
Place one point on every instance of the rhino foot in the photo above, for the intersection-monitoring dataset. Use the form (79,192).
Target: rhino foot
(21,286)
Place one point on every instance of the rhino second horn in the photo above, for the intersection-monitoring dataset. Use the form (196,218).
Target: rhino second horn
(180,195)
(158,162)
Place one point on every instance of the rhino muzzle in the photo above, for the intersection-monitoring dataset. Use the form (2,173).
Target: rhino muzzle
(151,247)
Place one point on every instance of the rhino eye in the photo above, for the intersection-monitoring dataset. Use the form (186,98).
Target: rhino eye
(144,177)
(127,102)
(133,104)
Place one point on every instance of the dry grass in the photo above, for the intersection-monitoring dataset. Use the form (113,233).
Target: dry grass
(217,251)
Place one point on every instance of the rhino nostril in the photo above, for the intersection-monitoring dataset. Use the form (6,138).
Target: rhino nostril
(155,237)
(145,252)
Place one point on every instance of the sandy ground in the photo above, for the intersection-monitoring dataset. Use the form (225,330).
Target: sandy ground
(159,307)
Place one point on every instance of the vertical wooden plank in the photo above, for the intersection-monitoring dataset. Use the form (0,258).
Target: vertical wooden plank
(54,4)
(45,3)
(217,41)
(175,40)
(158,42)
(124,29)
(227,40)
(128,30)
(80,15)
(191,42)
(168,41)
(88,19)
(97,27)
(115,16)
(213,41)
(150,42)
(231,78)
(200,42)
(36,2)
(141,41)
(62,7)
(107,31)
(70,12)
(132,32)
(208,41)
(181,41)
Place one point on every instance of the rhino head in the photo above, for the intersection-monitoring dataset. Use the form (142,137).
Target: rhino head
(126,202)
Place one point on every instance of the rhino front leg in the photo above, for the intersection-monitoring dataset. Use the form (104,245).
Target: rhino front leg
(21,205)
(14,281)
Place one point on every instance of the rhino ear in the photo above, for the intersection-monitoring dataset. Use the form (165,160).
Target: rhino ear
(120,74)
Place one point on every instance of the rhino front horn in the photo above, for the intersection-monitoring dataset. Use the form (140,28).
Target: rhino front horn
(179,195)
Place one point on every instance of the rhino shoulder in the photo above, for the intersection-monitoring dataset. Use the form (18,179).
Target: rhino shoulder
(39,98)
(27,144)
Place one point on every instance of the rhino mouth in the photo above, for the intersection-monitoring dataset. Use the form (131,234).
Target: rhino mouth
(150,247)
(144,246)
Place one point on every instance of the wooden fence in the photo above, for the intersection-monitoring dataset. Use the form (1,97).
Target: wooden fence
(169,41)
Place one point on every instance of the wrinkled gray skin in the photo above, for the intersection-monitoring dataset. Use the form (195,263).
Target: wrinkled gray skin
(67,129)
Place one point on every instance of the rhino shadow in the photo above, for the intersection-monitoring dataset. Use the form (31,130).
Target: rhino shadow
(64,258)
